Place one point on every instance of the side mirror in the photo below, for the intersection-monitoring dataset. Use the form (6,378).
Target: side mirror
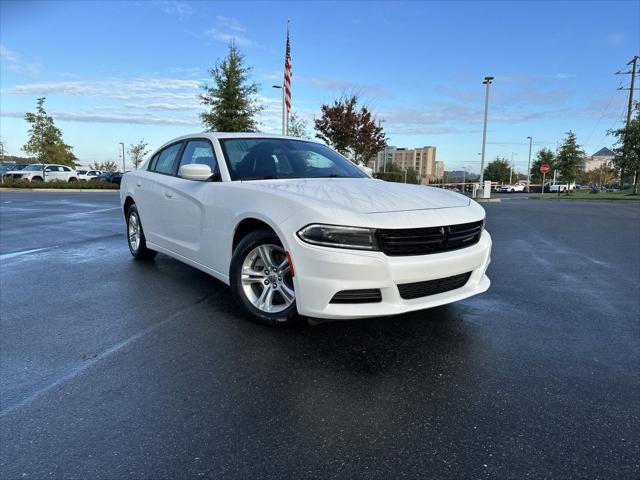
(195,171)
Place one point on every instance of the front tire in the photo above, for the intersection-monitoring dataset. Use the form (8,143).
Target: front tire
(135,236)
(261,280)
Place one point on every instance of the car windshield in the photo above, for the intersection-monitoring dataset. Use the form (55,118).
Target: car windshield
(270,158)
(34,166)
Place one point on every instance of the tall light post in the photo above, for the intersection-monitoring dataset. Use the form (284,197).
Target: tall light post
(511,169)
(123,167)
(283,122)
(487,81)
(529,166)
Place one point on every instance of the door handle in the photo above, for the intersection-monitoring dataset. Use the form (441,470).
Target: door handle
(168,194)
(138,183)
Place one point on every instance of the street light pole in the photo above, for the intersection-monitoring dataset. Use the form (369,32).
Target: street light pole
(487,82)
(283,121)
(529,167)
(123,167)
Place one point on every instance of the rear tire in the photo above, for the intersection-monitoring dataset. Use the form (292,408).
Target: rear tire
(261,280)
(135,236)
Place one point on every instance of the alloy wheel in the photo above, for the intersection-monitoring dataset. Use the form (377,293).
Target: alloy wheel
(266,279)
(133,231)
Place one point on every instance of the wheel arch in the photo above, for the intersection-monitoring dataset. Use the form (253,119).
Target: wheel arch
(127,204)
(248,225)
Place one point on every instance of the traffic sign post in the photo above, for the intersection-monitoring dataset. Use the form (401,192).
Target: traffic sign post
(544,168)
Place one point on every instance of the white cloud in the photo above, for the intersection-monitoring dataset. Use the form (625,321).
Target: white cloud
(92,116)
(178,9)
(14,62)
(230,23)
(138,89)
(228,29)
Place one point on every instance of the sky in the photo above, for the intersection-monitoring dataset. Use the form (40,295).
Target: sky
(122,71)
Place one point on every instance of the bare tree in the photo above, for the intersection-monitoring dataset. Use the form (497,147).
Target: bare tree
(137,152)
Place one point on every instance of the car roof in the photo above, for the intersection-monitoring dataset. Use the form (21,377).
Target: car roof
(225,135)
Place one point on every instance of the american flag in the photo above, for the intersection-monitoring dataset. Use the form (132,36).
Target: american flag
(287,75)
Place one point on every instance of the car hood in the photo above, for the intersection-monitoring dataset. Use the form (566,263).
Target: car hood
(362,195)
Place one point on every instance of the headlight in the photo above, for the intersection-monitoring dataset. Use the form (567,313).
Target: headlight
(340,237)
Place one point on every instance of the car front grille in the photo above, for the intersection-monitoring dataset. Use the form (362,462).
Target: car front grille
(369,295)
(423,241)
(409,291)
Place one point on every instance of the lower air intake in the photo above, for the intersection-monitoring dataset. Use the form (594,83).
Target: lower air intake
(409,291)
(370,295)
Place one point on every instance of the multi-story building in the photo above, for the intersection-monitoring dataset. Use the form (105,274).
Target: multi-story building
(601,158)
(422,160)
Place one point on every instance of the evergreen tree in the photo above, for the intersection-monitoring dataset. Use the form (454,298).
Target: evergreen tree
(45,141)
(543,156)
(627,149)
(498,170)
(231,102)
(570,159)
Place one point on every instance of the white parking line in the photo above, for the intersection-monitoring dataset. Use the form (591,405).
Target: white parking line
(98,211)
(6,256)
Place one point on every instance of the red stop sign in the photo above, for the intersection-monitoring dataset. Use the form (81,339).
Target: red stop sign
(544,168)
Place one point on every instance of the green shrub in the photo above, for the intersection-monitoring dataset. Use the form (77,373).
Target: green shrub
(11,183)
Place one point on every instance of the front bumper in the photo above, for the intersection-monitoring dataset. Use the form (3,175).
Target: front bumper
(322,272)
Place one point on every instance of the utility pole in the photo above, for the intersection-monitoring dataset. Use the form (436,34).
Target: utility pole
(529,168)
(633,62)
(487,81)
(123,167)
(511,169)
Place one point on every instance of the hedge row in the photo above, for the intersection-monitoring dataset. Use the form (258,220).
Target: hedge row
(10,183)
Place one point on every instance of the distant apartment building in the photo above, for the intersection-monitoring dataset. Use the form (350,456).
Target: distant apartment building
(422,160)
(602,157)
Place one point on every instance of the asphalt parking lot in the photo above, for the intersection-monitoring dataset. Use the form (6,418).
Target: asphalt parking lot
(116,368)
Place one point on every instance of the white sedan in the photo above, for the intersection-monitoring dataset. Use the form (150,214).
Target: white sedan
(296,229)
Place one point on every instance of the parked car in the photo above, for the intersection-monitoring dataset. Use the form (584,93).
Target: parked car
(52,173)
(86,175)
(110,177)
(296,229)
(10,167)
(518,187)
(563,187)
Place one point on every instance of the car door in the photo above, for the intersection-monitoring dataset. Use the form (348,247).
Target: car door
(150,193)
(187,206)
(52,173)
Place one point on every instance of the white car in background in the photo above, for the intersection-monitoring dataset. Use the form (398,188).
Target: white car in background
(86,175)
(518,187)
(295,228)
(52,173)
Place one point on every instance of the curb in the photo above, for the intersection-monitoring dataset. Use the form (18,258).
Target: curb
(488,200)
(61,190)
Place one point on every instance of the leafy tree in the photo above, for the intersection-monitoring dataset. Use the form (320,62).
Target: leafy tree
(107,166)
(231,102)
(603,175)
(137,152)
(543,156)
(627,149)
(412,176)
(570,159)
(45,139)
(498,170)
(350,129)
(298,126)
